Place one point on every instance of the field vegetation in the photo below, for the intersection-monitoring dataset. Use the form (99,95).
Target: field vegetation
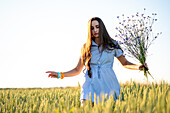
(134,98)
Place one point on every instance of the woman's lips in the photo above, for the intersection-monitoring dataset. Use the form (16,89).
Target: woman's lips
(96,34)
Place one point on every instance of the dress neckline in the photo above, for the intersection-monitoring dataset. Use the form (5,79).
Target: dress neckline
(94,43)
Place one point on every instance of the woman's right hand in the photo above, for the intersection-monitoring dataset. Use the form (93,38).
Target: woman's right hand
(143,65)
(52,74)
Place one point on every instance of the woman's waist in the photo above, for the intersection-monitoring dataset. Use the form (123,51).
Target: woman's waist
(100,66)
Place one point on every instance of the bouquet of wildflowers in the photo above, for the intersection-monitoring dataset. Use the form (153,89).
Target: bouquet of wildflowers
(136,35)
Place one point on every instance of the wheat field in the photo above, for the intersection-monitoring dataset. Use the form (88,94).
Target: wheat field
(134,98)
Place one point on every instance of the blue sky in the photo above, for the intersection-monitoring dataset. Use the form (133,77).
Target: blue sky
(38,36)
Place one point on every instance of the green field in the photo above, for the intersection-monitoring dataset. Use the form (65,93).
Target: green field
(136,98)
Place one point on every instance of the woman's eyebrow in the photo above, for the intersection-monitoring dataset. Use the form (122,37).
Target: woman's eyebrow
(95,25)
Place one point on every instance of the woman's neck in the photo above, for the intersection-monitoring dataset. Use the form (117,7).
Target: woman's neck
(97,41)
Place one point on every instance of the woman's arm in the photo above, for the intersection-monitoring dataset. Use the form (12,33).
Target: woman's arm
(130,65)
(70,73)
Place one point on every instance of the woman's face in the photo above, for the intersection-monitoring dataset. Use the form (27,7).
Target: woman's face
(95,29)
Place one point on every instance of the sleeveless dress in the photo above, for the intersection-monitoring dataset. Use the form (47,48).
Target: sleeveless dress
(103,80)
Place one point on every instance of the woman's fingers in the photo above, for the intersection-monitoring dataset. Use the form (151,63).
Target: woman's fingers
(52,74)
(49,75)
(145,64)
(141,67)
(49,72)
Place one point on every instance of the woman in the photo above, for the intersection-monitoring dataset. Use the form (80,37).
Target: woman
(98,56)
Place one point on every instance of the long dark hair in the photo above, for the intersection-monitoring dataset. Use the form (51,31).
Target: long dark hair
(105,40)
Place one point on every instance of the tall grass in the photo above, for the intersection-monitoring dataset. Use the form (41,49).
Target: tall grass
(134,98)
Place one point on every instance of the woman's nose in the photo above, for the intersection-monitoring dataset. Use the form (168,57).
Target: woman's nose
(95,29)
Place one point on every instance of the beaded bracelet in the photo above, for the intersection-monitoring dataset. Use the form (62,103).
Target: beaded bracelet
(62,75)
(59,75)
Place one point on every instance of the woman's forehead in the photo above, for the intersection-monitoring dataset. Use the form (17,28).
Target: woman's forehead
(95,22)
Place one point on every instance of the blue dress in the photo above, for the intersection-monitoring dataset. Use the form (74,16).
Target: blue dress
(103,80)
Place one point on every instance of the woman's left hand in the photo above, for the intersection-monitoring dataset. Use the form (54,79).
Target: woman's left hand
(143,65)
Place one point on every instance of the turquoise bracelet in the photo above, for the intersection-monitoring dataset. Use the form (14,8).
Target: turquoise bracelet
(59,75)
